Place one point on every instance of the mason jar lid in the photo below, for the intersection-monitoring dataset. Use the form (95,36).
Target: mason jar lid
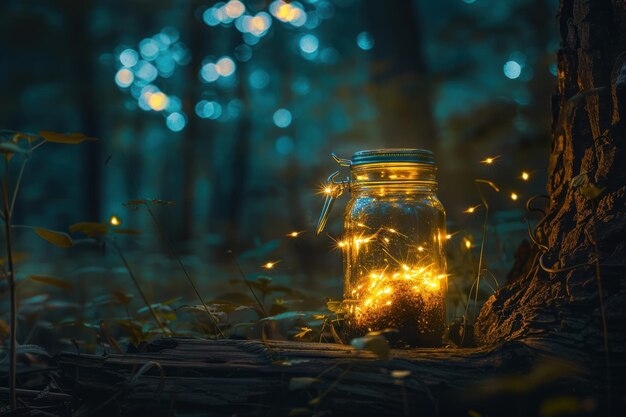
(377,156)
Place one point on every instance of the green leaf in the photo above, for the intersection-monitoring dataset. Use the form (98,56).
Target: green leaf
(335,306)
(67,138)
(303,332)
(374,343)
(90,229)
(54,281)
(284,316)
(60,239)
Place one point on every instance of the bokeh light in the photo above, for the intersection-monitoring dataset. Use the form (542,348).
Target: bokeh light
(365,41)
(284,145)
(259,24)
(129,57)
(146,72)
(225,66)
(259,79)
(234,9)
(157,101)
(208,109)
(149,49)
(209,73)
(512,69)
(176,122)
(282,118)
(309,43)
(292,13)
(124,77)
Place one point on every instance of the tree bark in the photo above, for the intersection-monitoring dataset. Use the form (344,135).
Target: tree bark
(576,269)
(278,378)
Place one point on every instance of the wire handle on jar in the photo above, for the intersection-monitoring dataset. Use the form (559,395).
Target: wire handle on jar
(333,189)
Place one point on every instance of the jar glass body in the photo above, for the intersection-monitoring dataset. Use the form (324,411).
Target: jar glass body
(394,254)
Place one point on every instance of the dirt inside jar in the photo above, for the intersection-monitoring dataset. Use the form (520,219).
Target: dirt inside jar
(417,316)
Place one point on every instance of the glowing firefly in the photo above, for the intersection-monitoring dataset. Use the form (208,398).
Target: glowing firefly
(270,265)
(525,176)
(115,221)
(470,210)
(468,243)
(490,160)
(294,234)
(514,196)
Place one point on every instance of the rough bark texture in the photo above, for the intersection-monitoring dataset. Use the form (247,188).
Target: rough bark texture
(588,124)
(250,378)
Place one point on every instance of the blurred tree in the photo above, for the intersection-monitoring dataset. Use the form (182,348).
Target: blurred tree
(400,81)
(84,88)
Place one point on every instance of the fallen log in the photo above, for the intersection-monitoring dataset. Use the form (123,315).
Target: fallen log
(181,376)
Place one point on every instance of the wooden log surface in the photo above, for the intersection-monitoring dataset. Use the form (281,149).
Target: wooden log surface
(180,376)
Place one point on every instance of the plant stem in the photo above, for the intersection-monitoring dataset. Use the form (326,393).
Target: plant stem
(139,289)
(17,186)
(482,243)
(11,283)
(170,247)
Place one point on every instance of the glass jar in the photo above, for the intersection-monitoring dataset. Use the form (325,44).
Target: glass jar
(393,246)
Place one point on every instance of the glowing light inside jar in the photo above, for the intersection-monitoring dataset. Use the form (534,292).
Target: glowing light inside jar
(401,284)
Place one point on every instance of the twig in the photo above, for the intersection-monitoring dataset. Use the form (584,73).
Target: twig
(139,289)
(170,248)
(245,280)
(482,243)
(29,393)
(11,282)
(17,186)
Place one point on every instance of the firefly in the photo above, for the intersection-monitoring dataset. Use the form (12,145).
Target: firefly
(269,265)
(472,209)
(468,244)
(489,160)
(514,196)
(115,221)
(294,234)
(525,176)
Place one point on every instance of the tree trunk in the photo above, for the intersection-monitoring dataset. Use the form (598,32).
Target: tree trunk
(82,58)
(568,295)
(400,83)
